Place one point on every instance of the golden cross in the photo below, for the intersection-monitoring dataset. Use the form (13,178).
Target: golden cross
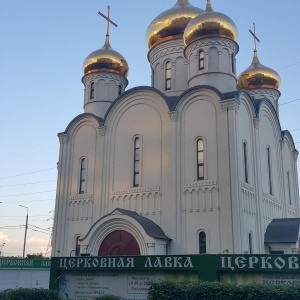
(254,36)
(107,19)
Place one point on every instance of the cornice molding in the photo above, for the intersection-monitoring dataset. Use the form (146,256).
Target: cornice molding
(210,42)
(230,104)
(63,138)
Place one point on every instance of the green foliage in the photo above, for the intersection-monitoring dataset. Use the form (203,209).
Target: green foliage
(36,256)
(167,290)
(29,294)
(108,297)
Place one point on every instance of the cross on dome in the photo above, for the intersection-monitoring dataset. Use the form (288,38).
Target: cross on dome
(254,37)
(108,20)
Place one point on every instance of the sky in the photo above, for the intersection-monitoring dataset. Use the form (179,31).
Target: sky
(43,44)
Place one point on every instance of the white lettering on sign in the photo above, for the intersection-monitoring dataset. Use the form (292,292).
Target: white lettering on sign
(169,262)
(255,262)
(104,262)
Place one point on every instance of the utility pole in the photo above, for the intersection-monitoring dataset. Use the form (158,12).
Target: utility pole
(26,227)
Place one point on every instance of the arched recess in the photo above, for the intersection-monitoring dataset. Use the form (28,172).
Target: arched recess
(122,227)
(119,242)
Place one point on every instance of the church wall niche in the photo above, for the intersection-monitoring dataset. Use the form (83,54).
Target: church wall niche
(269,137)
(198,119)
(180,81)
(290,156)
(245,130)
(84,145)
(213,59)
(101,90)
(145,121)
(225,61)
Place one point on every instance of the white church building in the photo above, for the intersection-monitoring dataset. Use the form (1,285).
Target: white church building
(195,163)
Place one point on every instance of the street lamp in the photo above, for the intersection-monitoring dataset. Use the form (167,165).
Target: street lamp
(1,246)
(26,227)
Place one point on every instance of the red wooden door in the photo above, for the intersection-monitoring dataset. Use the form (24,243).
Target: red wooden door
(119,242)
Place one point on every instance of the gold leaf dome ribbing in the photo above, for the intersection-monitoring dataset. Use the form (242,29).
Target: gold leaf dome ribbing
(210,23)
(105,60)
(170,24)
(257,76)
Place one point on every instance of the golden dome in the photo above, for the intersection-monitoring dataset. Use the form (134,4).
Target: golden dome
(210,23)
(105,60)
(257,76)
(170,24)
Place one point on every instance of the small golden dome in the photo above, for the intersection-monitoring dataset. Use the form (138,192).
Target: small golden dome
(210,23)
(105,60)
(170,24)
(257,76)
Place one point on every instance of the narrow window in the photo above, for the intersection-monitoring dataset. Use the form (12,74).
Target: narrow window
(92,90)
(200,159)
(201,60)
(289,187)
(120,90)
(269,171)
(82,183)
(232,63)
(246,178)
(152,78)
(168,76)
(250,243)
(202,242)
(136,162)
(77,246)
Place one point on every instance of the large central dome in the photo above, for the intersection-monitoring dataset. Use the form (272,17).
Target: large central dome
(171,24)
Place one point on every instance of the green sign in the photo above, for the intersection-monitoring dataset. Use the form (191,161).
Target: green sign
(134,272)
(18,263)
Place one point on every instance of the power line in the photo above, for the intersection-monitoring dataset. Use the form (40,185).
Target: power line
(21,155)
(296,63)
(27,201)
(295,129)
(28,173)
(289,102)
(38,182)
(16,195)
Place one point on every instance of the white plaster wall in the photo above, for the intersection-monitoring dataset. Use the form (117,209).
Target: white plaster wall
(15,279)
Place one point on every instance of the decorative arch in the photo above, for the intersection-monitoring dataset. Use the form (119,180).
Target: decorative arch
(117,231)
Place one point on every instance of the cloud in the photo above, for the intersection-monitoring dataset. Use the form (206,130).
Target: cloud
(14,247)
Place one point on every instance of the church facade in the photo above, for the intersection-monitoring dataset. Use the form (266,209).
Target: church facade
(197,163)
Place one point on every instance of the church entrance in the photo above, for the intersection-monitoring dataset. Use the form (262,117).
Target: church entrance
(119,242)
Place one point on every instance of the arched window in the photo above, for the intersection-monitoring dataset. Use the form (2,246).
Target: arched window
(233,63)
(269,170)
(201,60)
(200,159)
(202,242)
(136,162)
(246,177)
(120,90)
(250,243)
(82,176)
(77,246)
(92,90)
(168,76)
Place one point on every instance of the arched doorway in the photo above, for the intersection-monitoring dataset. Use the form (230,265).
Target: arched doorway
(119,242)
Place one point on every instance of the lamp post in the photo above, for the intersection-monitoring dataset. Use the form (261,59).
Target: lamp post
(26,227)
(2,245)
